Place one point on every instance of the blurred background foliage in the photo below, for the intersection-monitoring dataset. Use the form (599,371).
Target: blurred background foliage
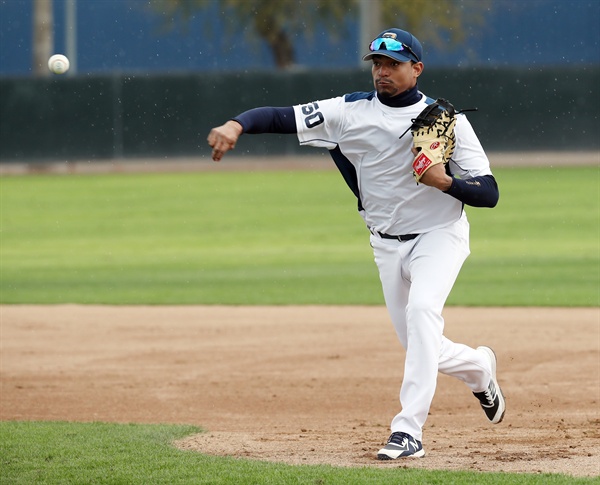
(135,36)
(275,21)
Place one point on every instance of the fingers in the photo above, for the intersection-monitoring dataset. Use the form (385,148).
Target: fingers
(217,155)
(220,144)
(221,139)
(220,148)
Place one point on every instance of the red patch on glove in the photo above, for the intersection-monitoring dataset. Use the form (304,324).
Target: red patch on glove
(421,164)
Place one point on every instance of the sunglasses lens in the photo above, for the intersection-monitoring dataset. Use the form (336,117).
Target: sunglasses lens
(390,45)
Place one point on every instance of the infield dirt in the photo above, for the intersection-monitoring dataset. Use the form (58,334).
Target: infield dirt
(307,385)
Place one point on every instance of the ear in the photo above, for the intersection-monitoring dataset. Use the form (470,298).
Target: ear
(418,69)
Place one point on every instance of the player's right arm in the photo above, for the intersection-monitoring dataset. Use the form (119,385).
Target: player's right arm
(258,120)
(317,124)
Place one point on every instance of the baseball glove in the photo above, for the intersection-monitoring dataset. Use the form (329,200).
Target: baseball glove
(433,136)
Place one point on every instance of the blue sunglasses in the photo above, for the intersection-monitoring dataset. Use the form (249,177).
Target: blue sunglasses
(391,45)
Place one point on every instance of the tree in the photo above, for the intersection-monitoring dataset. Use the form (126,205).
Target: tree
(273,21)
(43,36)
(277,21)
(441,22)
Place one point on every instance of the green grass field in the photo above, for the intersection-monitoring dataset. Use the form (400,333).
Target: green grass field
(257,238)
(277,238)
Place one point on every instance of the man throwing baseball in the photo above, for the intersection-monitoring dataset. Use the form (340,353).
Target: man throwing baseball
(411,191)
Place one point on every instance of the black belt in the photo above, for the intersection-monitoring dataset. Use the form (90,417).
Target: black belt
(402,237)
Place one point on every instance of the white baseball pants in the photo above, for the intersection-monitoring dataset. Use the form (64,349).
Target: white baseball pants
(417,277)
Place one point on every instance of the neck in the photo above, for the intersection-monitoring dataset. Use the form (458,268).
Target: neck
(408,97)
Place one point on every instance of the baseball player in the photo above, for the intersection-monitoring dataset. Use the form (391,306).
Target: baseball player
(418,230)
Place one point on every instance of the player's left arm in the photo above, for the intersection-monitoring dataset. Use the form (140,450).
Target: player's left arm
(472,181)
(480,191)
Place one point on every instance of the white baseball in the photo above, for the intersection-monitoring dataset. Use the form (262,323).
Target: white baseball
(58,64)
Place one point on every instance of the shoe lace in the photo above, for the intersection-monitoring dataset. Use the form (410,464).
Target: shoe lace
(398,438)
(490,393)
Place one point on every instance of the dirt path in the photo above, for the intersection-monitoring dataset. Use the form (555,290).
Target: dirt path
(235,162)
(308,384)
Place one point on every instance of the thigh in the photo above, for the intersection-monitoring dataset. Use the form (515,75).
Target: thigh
(435,263)
(389,256)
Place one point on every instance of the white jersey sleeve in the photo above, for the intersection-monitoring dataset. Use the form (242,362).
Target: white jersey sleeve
(319,123)
(469,159)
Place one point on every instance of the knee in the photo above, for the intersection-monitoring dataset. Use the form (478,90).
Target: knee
(422,308)
(423,318)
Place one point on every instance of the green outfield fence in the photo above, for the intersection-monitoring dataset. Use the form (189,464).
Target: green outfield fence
(132,116)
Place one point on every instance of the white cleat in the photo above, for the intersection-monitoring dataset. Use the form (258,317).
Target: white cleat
(492,399)
(401,445)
